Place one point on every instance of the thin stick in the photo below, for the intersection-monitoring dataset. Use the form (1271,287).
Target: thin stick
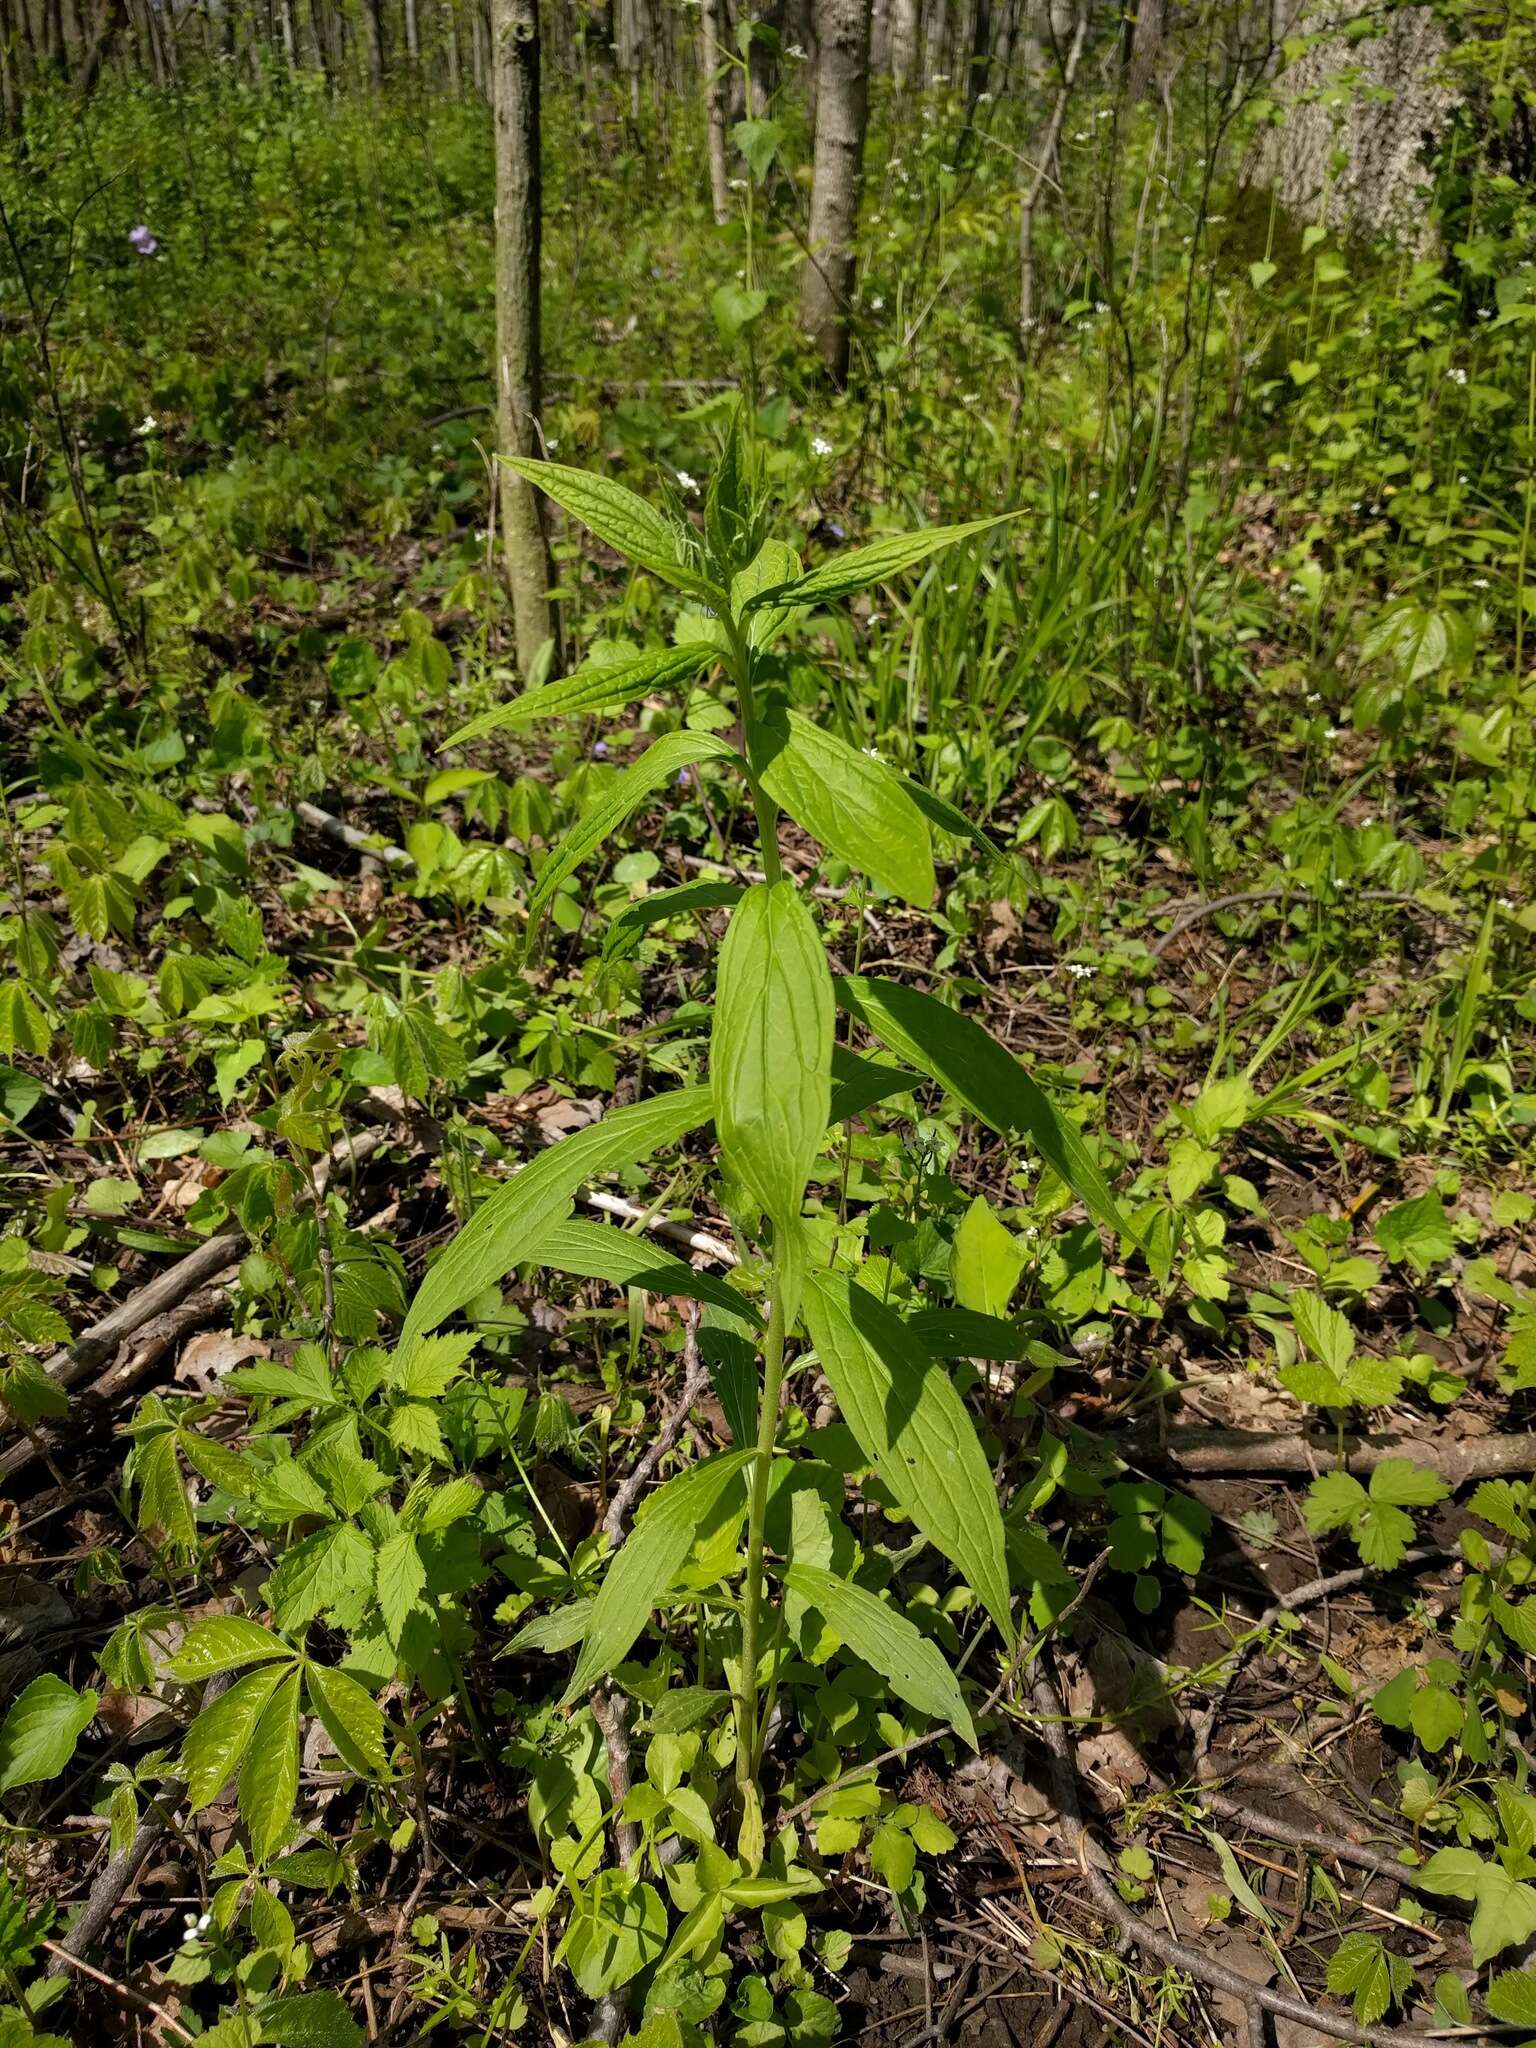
(63,1960)
(1457,1460)
(1194,912)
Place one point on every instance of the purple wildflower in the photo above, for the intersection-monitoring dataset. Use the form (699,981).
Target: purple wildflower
(143,240)
(599,748)
(684,776)
(834,529)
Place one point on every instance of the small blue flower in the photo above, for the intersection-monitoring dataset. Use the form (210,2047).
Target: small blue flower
(143,240)
(599,749)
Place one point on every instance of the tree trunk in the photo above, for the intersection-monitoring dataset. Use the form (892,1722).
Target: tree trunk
(1383,124)
(981,51)
(842,107)
(451,10)
(412,32)
(515,97)
(715,21)
(373,40)
(1146,46)
(906,23)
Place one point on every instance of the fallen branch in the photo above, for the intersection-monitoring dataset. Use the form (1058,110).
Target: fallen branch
(342,834)
(1198,1452)
(1193,913)
(1201,1968)
(695,1381)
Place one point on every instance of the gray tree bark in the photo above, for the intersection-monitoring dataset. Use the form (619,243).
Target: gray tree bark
(715,21)
(515,98)
(1390,114)
(837,175)
(906,23)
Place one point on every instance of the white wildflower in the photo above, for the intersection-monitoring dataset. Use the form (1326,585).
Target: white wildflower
(1479,582)
(147,426)
(688,483)
(820,446)
(877,304)
(1457,376)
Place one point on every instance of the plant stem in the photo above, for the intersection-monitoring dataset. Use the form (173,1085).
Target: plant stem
(752,1595)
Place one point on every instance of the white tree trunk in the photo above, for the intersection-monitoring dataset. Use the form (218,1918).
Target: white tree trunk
(842,107)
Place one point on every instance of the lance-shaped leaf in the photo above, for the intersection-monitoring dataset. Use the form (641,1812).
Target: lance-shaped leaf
(877,563)
(660,762)
(636,918)
(852,803)
(269,1777)
(858,1084)
(938,810)
(774,565)
(912,1425)
(771,1047)
(888,1642)
(220,1736)
(965,1333)
(650,1559)
(969,1062)
(617,516)
(511,1225)
(596,1251)
(600,686)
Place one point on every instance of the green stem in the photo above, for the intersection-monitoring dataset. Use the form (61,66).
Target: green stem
(752,1594)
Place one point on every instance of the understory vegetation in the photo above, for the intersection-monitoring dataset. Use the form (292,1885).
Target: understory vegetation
(814,1321)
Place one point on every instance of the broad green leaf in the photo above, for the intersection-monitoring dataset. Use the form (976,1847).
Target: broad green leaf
(400,1578)
(163,1503)
(1382,1534)
(888,1642)
(965,1333)
(853,804)
(41,1727)
(511,1225)
(1417,1233)
(647,1563)
(616,515)
(877,563)
(1364,1969)
(269,1777)
(987,1261)
(596,1251)
(771,1047)
(661,762)
(319,1573)
(1326,1333)
(561,1629)
(223,1643)
(774,565)
(913,1426)
(350,1716)
(1407,1485)
(221,1734)
(624,933)
(1435,1716)
(308,2019)
(967,1060)
(1314,1384)
(599,686)
(1505,1913)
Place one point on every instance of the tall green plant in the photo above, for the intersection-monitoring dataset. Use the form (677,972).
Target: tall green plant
(772,1095)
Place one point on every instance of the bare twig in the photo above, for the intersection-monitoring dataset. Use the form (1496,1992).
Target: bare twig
(1192,914)
(695,1380)
(1200,1967)
(342,834)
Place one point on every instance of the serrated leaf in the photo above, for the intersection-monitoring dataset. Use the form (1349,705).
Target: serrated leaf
(877,563)
(852,804)
(223,1643)
(888,1642)
(1435,1716)
(1362,1968)
(41,1728)
(399,1579)
(1511,1997)
(661,762)
(222,1732)
(771,1047)
(510,1226)
(1312,1383)
(1382,1534)
(599,686)
(269,1777)
(328,1567)
(1517,1621)
(903,1410)
(163,1503)
(648,1562)
(351,1717)
(1325,1332)
(616,515)
(308,2019)
(969,1062)
(1333,1499)
(1406,1485)
(1417,1233)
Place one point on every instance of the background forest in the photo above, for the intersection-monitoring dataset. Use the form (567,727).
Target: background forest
(765,1092)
